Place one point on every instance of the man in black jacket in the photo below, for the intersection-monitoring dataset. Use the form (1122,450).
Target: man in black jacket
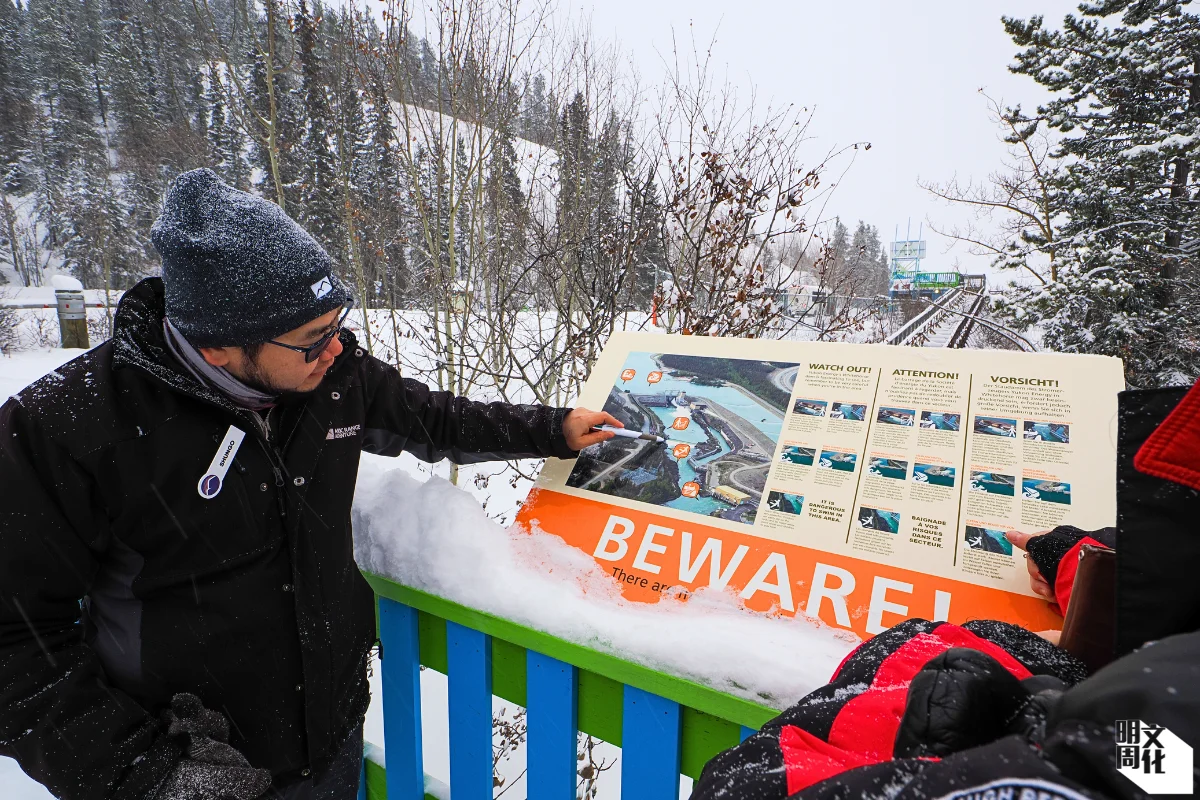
(181,617)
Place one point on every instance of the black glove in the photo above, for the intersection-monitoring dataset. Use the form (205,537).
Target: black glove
(962,698)
(210,768)
(1048,549)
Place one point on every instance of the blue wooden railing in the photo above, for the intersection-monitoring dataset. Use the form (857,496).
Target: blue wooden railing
(665,726)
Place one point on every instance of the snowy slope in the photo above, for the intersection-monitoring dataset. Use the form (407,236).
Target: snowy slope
(535,162)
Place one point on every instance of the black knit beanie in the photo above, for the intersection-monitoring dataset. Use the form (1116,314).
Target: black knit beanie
(236,269)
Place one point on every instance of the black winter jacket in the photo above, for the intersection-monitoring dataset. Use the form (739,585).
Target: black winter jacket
(121,585)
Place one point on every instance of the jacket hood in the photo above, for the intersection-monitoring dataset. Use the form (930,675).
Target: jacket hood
(1173,451)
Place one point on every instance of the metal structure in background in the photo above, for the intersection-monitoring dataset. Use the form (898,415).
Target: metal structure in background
(908,280)
(959,319)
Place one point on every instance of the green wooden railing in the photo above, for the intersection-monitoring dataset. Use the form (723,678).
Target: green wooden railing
(672,725)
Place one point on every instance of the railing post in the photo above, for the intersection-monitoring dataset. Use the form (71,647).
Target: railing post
(650,746)
(551,692)
(401,660)
(469,657)
(72,318)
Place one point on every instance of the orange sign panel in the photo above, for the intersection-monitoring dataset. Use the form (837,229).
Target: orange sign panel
(846,592)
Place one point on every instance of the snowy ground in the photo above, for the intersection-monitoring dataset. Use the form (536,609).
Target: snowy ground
(444,534)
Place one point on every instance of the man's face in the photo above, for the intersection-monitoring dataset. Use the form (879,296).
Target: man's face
(278,370)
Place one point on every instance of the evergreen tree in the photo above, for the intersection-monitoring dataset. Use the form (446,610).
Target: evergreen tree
(221,158)
(427,86)
(839,251)
(507,216)
(650,255)
(537,123)
(131,85)
(430,231)
(459,211)
(16,108)
(320,207)
(68,143)
(862,266)
(103,250)
(233,140)
(1127,103)
(279,134)
(387,196)
(574,171)
(353,174)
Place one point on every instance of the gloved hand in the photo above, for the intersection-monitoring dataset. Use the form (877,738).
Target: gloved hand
(962,698)
(210,769)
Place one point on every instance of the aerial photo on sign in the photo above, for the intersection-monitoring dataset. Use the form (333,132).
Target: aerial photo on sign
(728,411)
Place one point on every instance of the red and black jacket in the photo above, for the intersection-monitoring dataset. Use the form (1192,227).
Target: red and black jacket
(927,688)
(1030,738)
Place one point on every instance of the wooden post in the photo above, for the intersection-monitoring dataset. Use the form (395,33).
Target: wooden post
(401,700)
(650,746)
(72,318)
(552,694)
(469,702)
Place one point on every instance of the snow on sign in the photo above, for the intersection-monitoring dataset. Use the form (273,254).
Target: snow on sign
(862,484)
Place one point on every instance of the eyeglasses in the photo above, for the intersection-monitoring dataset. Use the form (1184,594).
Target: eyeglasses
(313,351)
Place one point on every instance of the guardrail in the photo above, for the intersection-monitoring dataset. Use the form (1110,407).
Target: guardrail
(958,339)
(72,315)
(39,304)
(917,322)
(666,726)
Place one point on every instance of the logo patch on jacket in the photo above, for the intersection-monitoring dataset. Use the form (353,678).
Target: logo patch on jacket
(342,433)
(214,476)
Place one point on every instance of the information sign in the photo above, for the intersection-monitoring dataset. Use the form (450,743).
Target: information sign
(862,484)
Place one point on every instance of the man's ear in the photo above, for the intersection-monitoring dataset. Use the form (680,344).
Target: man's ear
(216,356)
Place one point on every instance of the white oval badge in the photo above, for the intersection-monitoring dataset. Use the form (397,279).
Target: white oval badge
(214,476)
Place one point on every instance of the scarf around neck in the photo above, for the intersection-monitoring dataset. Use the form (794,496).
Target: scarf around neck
(217,377)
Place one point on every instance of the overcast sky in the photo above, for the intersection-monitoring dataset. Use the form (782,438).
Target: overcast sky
(902,75)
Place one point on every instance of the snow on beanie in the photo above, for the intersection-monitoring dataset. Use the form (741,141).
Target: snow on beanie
(236,269)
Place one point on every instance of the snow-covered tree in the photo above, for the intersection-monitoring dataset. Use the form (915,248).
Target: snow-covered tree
(389,206)
(862,262)
(16,84)
(320,208)
(1126,113)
